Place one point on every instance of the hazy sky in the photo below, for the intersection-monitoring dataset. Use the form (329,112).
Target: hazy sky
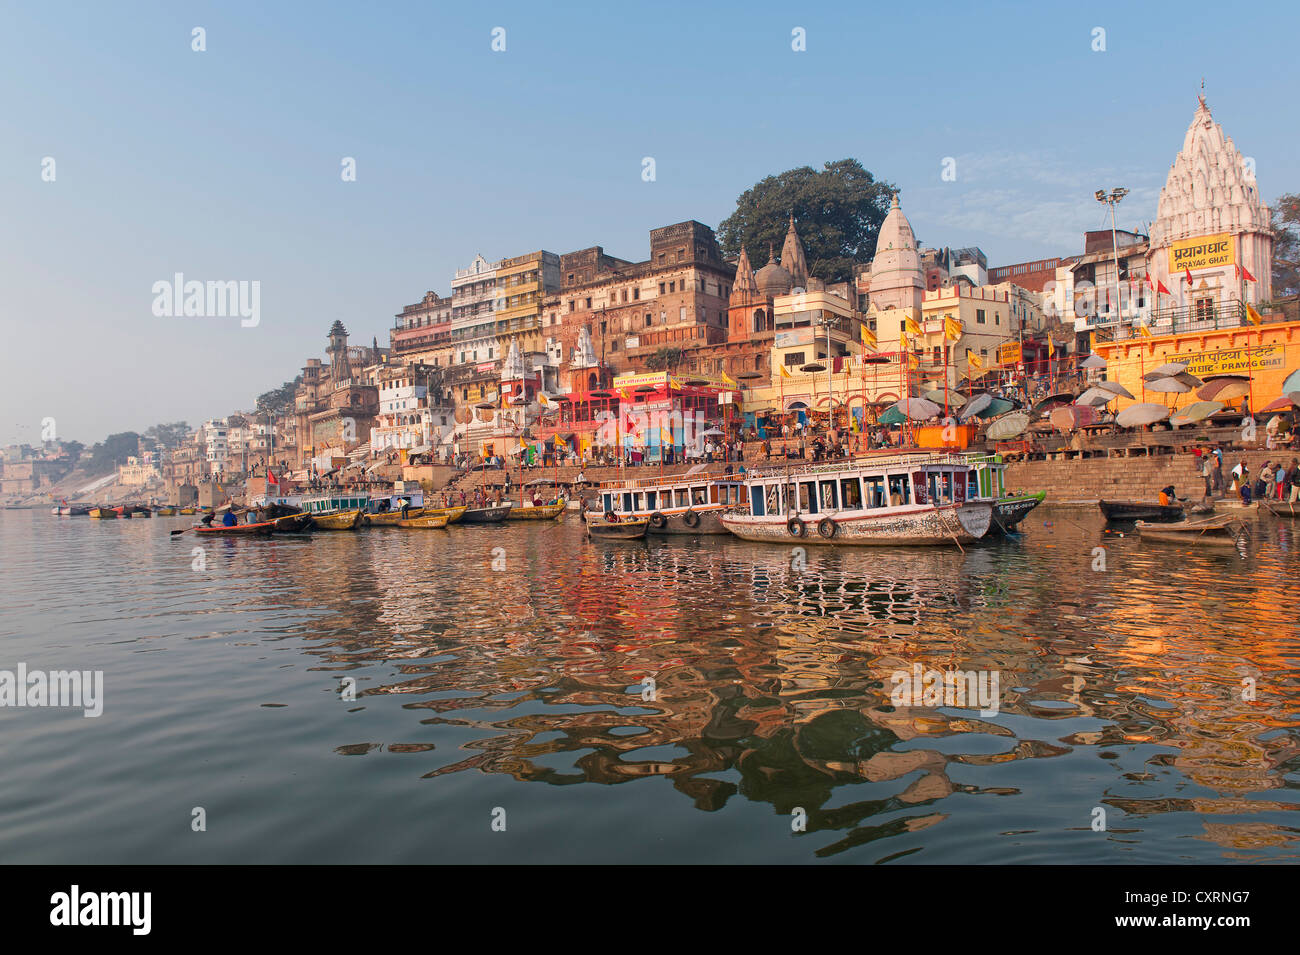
(225,164)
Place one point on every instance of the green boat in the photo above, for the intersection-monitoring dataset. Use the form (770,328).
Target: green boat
(1009,509)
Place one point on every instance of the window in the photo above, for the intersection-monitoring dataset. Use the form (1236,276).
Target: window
(898,490)
(636,294)
(588,302)
(979,317)
(875,491)
(1204,309)
(649,320)
(672,286)
(997,318)
(681,314)
(662,286)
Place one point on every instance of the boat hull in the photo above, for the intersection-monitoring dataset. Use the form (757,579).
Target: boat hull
(542,512)
(486,515)
(103,513)
(1140,511)
(678,523)
(392,518)
(914,526)
(341,521)
(260,529)
(1216,532)
(425,522)
(631,529)
(1011,510)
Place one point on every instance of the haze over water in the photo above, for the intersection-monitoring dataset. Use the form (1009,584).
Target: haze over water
(521,689)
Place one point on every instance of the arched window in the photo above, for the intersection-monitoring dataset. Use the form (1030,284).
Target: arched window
(759,320)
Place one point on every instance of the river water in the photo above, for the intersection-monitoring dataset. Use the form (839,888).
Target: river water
(516,693)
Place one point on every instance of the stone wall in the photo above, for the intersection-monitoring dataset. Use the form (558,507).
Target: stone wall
(1119,478)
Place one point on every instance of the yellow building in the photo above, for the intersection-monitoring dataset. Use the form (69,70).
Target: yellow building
(1266,353)
(521,284)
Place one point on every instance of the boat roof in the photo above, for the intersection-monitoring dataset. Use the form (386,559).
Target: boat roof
(872,461)
(672,480)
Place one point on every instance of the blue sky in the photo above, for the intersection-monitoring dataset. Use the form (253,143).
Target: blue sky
(225,164)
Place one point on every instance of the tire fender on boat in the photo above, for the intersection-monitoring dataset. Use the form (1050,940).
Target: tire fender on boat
(827,528)
(658,521)
(795,526)
(690,518)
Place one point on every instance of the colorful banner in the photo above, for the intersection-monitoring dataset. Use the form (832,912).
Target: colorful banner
(1205,252)
(1009,353)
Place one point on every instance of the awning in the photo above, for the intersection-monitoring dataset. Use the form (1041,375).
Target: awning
(420,449)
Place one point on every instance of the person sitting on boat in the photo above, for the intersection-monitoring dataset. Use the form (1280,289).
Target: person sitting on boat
(1167,496)
(228,519)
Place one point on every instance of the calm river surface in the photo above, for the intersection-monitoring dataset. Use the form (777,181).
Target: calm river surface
(516,695)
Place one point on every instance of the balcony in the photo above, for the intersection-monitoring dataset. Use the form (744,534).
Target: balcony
(1183,320)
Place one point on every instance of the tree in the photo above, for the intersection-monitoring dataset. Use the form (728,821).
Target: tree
(169,435)
(114,450)
(278,401)
(664,358)
(1286,245)
(838,212)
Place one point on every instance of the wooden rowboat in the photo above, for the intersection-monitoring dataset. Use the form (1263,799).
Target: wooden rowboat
(1282,508)
(338,520)
(261,528)
(493,514)
(392,518)
(425,521)
(291,523)
(538,512)
(453,514)
(626,529)
(1211,532)
(103,513)
(1140,511)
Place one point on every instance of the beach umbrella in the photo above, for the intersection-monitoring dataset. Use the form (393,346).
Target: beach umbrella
(891,416)
(1073,416)
(1190,380)
(1167,371)
(1196,411)
(1170,386)
(750,375)
(813,366)
(996,407)
(1284,403)
(955,398)
(1115,388)
(1292,382)
(1045,405)
(1093,361)
(1095,397)
(918,409)
(1224,388)
(976,404)
(713,433)
(1134,416)
(1008,426)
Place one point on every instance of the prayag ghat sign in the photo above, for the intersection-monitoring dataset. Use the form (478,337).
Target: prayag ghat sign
(1204,252)
(1228,361)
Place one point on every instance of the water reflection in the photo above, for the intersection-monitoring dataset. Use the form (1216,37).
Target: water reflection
(1163,687)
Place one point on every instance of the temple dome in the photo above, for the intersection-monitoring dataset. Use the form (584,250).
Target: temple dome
(772,279)
(895,247)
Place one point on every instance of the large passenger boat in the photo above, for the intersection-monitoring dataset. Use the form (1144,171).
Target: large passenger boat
(893,498)
(1009,508)
(675,504)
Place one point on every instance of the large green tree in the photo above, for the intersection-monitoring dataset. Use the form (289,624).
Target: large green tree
(837,210)
(1286,245)
(278,400)
(114,450)
(168,434)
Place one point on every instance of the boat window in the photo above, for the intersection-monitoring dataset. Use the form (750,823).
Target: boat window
(875,490)
(827,489)
(898,490)
(758,508)
(971,489)
(772,498)
(850,494)
(651,500)
(808,496)
(627,501)
(699,495)
(609,502)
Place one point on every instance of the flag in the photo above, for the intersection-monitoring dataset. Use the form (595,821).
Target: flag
(902,340)
(270,479)
(665,434)
(913,363)
(973,359)
(1143,331)
(785,372)
(1150,284)
(911,326)
(1160,287)
(729,381)
(1253,315)
(1246,275)
(951,329)
(868,337)
(1051,348)
(1189,276)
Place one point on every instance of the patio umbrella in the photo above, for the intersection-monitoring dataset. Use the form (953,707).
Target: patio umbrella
(714,432)
(1045,405)
(750,375)
(996,406)
(1115,388)
(1170,386)
(1134,416)
(918,409)
(1095,397)
(891,416)
(1196,411)
(1093,361)
(1167,371)
(1224,388)
(1292,382)
(1008,426)
(1190,380)
(813,366)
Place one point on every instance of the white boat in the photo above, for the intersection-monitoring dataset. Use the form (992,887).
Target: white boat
(890,498)
(675,504)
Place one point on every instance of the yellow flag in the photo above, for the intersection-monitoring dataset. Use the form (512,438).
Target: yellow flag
(911,326)
(868,337)
(1253,315)
(1051,348)
(973,359)
(913,363)
(785,372)
(952,329)
(902,340)
(729,381)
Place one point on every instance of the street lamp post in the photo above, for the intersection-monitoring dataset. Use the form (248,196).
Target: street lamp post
(827,321)
(1112,199)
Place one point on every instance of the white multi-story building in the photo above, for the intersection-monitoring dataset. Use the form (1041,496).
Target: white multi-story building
(216,442)
(475,299)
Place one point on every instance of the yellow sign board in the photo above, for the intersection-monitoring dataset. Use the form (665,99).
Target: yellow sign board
(1235,361)
(1009,353)
(1205,252)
